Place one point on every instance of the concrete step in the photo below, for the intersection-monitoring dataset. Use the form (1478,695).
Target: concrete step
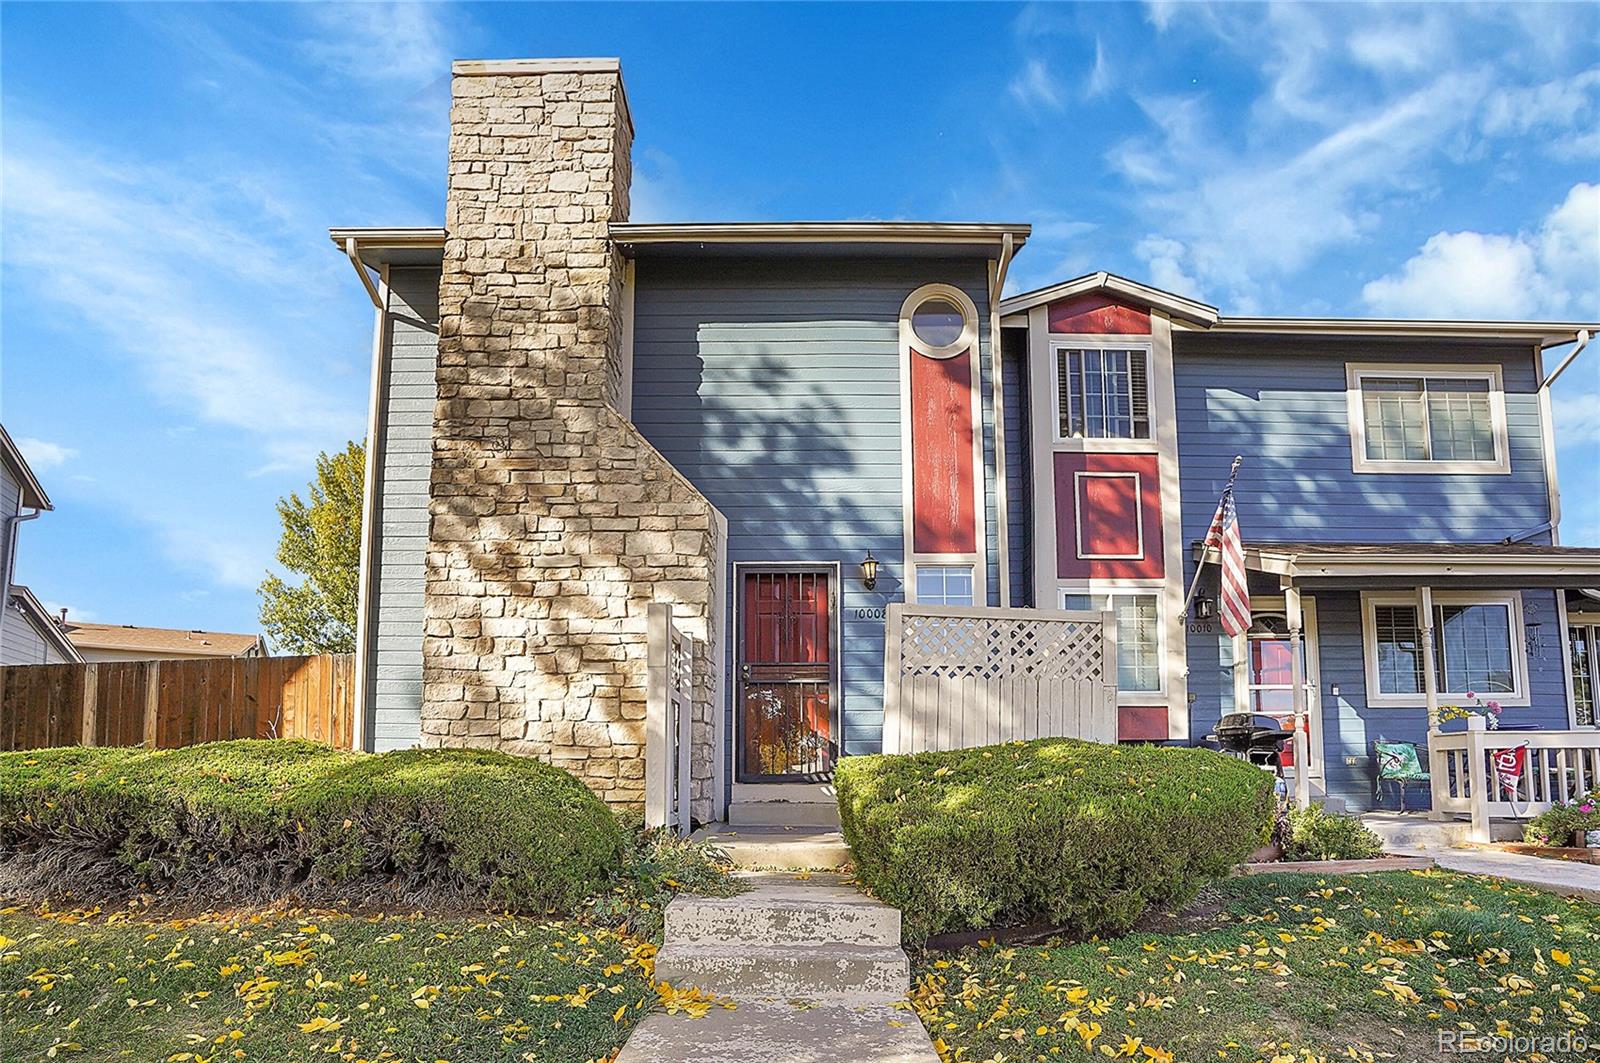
(783,911)
(842,974)
(1411,830)
(769,1033)
(783,814)
(785,791)
(785,848)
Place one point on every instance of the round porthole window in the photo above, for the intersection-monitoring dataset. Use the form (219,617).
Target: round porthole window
(938,322)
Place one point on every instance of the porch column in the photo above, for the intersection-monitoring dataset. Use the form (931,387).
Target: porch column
(1437,766)
(1297,677)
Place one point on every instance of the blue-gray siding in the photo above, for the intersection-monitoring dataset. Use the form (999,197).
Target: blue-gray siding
(1283,407)
(774,387)
(1019,465)
(405,454)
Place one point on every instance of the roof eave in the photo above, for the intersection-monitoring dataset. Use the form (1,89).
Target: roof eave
(1170,303)
(980,234)
(1546,333)
(33,493)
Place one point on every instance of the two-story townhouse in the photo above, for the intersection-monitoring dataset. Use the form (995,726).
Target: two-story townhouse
(28,634)
(781,430)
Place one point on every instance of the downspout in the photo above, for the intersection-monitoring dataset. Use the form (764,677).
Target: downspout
(1547,429)
(997,285)
(352,250)
(360,736)
(1583,341)
(11,553)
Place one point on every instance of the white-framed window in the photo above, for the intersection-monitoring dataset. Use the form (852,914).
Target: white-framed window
(944,585)
(1140,638)
(1478,648)
(1427,419)
(1583,640)
(1102,392)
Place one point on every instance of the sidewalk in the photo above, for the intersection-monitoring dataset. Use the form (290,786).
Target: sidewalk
(1552,876)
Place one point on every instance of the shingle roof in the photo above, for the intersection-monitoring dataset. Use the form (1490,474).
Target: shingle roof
(159,640)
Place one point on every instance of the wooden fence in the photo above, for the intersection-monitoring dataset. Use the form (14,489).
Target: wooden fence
(961,677)
(166,704)
(1554,767)
(669,722)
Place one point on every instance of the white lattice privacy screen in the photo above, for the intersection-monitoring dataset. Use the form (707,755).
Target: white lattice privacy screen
(956,677)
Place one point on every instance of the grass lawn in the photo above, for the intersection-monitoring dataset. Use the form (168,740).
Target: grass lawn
(1285,968)
(280,985)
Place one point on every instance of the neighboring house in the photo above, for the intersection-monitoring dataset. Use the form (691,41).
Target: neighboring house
(125,642)
(574,416)
(32,635)
(28,635)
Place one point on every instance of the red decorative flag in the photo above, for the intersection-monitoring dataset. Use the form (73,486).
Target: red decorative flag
(1509,764)
(1233,601)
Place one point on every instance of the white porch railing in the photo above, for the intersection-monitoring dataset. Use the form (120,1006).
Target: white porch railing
(1558,766)
(669,718)
(957,677)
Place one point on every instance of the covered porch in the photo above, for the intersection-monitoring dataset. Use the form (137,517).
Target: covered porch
(1430,645)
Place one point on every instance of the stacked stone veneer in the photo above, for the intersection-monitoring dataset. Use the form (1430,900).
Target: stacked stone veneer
(553,524)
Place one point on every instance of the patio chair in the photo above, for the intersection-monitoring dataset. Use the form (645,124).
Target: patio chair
(1398,763)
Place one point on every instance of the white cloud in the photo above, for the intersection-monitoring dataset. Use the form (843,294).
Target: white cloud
(1100,76)
(1552,272)
(1035,86)
(1577,417)
(380,42)
(1567,110)
(44,455)
(1162,257)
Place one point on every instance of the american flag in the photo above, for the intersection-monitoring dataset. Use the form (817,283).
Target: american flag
(1233,601)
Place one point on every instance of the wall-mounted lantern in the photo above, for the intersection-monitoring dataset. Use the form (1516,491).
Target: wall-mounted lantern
(1204,608)
(869,571)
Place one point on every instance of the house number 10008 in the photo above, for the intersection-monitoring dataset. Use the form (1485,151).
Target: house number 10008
(877,613)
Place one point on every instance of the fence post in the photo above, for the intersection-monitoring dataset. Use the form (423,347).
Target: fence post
(1477,778)
(1108,675)
(891,680)
(91,705)
(152,701)
(658,694)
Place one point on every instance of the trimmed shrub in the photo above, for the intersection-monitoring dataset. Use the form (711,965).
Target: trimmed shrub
(1557,825)
(1074,834)
(1317,834)
(251,820)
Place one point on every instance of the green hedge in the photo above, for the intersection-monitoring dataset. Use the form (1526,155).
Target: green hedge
(249,820)
(1317,834)
(1074,834)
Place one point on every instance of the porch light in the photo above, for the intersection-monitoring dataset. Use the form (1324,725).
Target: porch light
(1204,608)
(869,571)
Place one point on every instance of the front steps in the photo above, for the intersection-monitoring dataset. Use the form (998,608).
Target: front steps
(814,966)
(786,848)
(784,805)
(1403,831)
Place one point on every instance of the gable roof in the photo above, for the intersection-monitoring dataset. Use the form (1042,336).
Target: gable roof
(45,625)
(1175,305)
(33,496)
(153,640)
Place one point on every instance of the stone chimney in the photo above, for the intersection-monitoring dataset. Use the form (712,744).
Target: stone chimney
(553,523)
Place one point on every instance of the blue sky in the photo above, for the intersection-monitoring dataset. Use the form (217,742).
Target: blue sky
(180,339)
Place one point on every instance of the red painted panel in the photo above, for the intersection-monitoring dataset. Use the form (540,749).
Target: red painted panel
(1109,506)
(786,618)
(1141,723)
(941,455)
(1096,314)
(1108,526)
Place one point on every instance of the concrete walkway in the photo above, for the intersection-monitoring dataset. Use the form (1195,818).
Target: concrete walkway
(813,965)
(1553,876)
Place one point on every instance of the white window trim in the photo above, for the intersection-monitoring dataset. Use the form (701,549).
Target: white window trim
(1312,677)
(1570,619)
(1355,372)
(1370,600)
(926,561)
(1099,343)
(1138,510)
(1151,589)
(967,341)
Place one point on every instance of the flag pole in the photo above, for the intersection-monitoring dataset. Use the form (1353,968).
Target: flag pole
(1194,584)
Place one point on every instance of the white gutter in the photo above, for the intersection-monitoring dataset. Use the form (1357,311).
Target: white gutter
(9,562)
(353,249)
(997,284)
(1583,341)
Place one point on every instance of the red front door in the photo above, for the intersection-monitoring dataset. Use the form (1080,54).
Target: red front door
(786,658)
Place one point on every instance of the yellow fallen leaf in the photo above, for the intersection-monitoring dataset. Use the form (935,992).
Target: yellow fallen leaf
(1560,956)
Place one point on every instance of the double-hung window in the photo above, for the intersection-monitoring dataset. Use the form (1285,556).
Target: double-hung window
(1429,420)
(1583,634)
(944,584)
(1138,636)
(1477,648)
(1102,393)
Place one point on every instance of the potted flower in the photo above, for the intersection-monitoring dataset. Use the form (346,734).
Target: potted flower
(1489,710)
(1575,823)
